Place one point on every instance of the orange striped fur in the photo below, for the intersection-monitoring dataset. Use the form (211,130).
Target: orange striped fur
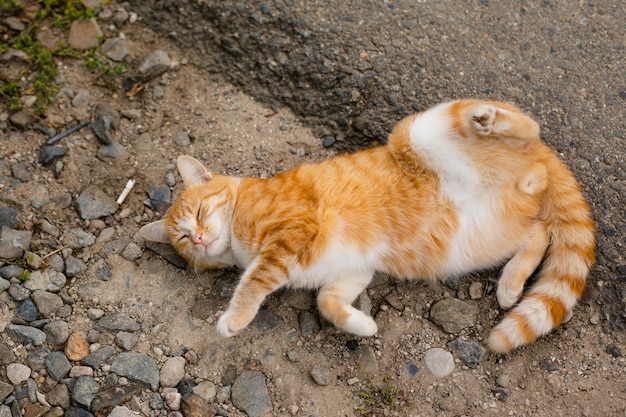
(464,186)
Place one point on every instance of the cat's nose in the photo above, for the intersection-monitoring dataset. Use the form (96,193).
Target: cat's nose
(198,240)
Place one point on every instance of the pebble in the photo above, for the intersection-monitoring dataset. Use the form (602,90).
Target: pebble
(503,380)
(137,367)
(102,129)
(59,396)
(46,280)
(454,315)
(118,322)
(439,362)
(329,141)
(34,260)
(121,411)
(17,373)
(412,369)
(11,271)
(321,375)
(471,353)
(49,154)
(78,371)
(85,390)
(249,394)
(157,63)
(195,406)
(366,359)
(37,358)
(14,243)
(26,334)
(77,347)
(27,310)
(132,252)
(84,34)
(81,99)
(95,313)
(78,238)
(57,332)
(172,399)
(4,284)
(57,365)
(74,267)
(39,196)
(8,217)
(113,150)
(18,292)
(476,290)
(126,340)
(182,138)
(47,303)
(97,358)
(77,412)
(308,323)
(23,171)
(6,355)
(159,197)
(266,321)
(115,49)
(205,389)
(22,119)
(94,203)
(5,391)
(172,371)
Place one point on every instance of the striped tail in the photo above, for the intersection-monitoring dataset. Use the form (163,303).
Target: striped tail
(562,278)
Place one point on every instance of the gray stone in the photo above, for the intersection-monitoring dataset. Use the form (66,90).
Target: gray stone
(99,357)
(412,369)
(48,303)
(46,280)
(4,284)
(49,154)
(299,299)
(121,411)
(78,238)
(85,390)
(157,63)
(160,197)
(95,313)
(17,373)
(126,340)
(172,371)
(366,359)
(23,171)
(14,23)
(471,353)
(115,49)
(5,410)
(37,358)
(8,216)
(13,243)
(132,252)
(321,375)
(102,129)
(27,310)
(206,390)
(476,290)
(308,323)
(93,203)
(22,120)
(57,332)
(84,34)
(59,396)
(34,261)
(113,150)
(39,196)
(74,267)
(5,391)
(182,138)
(103,272)
(266,321)
(6,356)
(57,365)
(137,367)
(11,271)
(19,292)
(454,315)
(439,362)
(249,394)
(105,110)
(26,334)
(118,322)
(81,99)
(77,412)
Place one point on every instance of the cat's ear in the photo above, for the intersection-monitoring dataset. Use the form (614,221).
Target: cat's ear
(192,170)
(155,232)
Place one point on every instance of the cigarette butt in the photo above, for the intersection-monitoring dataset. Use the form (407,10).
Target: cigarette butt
(125,191)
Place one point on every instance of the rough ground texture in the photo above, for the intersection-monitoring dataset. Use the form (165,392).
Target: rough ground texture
(348,70)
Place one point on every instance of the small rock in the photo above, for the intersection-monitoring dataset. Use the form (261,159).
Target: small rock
(182,138)
(157,63)
(476,290)
(229,375)
(14,23)
(454,315)
(11,271)
(78,371)
(59,396)
(18,373)
(102,129)
(195,406)
(81,99)
(329,141)
(84,34)
(48,303)
(57,365)
(113,150)
(23,171)
(27,310)
(121,411)
(439,362)
(132,252)
(266,321)
(18,292)
(74,267)
(4,284)
(205,389)
(118,322)
(105,110)
(93,203)
(393,299)
(8,217)
(85,391)
(321,375)
(173,371)
(308,323)
(412,369)
(95,313)
(77,347)
(77,238)
(57,332)
(14,243)
(5,391)
(99,357)
(159,197)
(366,359)
(249,394)
(34,261)
(299,299)
(172,399)
(26,334)
(471,353)
(6,356)
(113,397)
(36,360)
(77,412)
(46,280)
(22,120)
(501,394)
(126,340)
(115,49)
(503,380)
(49,154)
(137,367)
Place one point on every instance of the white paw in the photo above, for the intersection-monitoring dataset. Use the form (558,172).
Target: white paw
(507,296)
(360,324)
(226,325)
(482,118)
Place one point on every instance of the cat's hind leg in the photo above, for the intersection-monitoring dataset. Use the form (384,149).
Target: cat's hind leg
(334,302)
(499,119)
(522,265)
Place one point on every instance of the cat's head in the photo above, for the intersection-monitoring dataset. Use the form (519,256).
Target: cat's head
(199,223)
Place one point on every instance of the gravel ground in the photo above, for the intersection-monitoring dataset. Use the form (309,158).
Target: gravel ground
(105,324)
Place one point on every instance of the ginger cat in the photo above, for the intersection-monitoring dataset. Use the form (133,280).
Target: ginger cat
(464,186)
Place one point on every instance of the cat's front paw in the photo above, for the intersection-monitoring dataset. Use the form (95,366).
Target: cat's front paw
(230,325)
(360,324)
(482,118)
